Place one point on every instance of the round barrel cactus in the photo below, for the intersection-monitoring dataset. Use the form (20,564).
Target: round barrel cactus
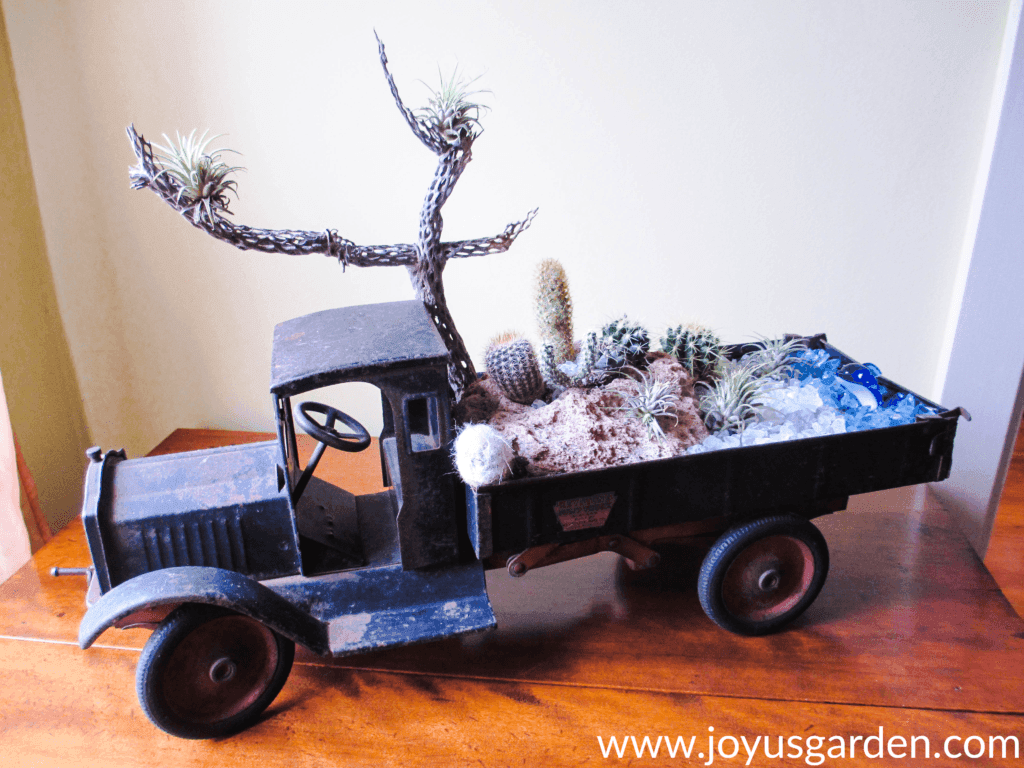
(512,363)
(625,343)
(695,346)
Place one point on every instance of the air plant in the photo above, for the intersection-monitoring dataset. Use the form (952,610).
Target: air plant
(201,175)
(773,358)
(653,400)
(732,401)
(450,111)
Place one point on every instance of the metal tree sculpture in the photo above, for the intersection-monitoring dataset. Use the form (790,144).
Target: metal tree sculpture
(195,184)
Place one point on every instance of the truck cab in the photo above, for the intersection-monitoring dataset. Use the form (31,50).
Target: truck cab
(249,528)
(255,510)
(395,347)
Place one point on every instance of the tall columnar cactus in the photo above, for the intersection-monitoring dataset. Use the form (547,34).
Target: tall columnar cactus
(554,310)
(695,346)
(513,365)
(625,343)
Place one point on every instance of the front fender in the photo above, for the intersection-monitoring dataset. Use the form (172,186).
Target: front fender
(212,586)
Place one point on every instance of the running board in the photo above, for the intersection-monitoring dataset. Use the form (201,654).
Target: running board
(368,608)
(402,626)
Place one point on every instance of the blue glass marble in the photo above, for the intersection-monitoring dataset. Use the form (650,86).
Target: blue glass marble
(865,384)
(855,391)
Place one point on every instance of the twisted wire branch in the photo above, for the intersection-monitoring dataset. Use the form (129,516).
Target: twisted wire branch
(434,142)
(488,245)
(149,174)
(425,259)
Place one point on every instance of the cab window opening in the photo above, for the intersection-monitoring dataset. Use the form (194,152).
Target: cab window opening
(423,422)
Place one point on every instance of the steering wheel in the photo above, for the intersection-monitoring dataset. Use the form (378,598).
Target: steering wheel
(356,440)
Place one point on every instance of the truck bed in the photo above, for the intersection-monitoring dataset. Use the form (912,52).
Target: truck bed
(808,477)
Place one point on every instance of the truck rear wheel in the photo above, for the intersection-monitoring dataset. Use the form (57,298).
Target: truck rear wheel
(761,575)
(208,672)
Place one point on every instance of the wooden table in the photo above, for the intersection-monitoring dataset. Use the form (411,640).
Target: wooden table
(910,634)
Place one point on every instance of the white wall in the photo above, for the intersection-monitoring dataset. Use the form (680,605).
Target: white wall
(763,167)
(987,354)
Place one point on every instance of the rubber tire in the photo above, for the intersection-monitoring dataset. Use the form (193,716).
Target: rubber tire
(157,664)
(716,593)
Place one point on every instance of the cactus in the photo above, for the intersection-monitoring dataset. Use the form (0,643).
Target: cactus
(583,371)
(554,378)
(512,363)
(554,310)
(482,456)
(696,347)
(624,343)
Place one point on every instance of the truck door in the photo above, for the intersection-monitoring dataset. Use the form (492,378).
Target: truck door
(428,529)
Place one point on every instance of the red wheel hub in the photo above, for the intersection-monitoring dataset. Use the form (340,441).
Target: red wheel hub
(220,669)
(768,578)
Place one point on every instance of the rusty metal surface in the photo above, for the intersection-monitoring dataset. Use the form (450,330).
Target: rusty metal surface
(425,480)
(96,500)
(395,347)
(638,557)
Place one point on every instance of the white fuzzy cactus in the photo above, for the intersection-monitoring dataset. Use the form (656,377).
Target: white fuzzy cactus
(482,455)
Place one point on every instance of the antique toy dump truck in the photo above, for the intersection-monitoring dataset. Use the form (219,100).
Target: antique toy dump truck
(235,554)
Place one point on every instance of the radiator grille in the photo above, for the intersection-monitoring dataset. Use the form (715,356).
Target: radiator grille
(214,540)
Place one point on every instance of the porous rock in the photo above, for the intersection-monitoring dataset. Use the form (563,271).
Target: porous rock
(587,428)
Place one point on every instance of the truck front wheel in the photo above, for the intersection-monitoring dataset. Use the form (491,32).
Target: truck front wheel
(761,575)
(208,672)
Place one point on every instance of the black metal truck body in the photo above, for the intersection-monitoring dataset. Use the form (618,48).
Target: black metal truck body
(370,571)
(248,530)
(807,477)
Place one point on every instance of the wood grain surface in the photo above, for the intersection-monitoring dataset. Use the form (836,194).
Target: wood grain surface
(910,634)
(1005,555)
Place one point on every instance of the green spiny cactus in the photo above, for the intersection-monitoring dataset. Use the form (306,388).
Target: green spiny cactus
(553,377)
(583,371)
(625,343)
(513,365)
(696,347)
(554,309)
